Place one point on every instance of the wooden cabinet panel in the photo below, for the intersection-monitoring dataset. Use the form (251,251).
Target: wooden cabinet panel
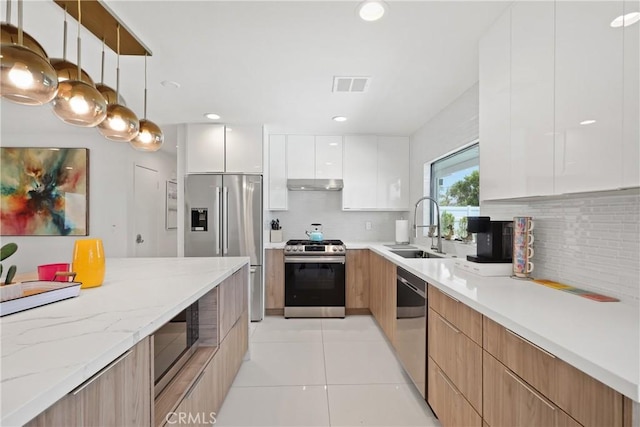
(121,394)
(197,407)
(581,396)
(447,402)
(528,361)
(274,278)
(118,395)
(357,278)
(513,402)
(65,412)
(461,316)
(587,400)
(382,298)
(458,357)
(227,306)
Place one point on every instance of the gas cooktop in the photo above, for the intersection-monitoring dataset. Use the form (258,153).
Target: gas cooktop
(309,247)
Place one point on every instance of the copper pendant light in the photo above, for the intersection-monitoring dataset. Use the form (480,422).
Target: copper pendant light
(121,124)
(78,102)
(150,136)
(26,76)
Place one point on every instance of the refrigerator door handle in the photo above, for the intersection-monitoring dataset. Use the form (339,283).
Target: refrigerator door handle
(216,228)
(225,221)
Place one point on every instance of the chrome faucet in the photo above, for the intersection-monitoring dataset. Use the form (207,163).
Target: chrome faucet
(438,248)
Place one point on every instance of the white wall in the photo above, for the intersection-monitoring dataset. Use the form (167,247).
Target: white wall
(456,125)
(111,168)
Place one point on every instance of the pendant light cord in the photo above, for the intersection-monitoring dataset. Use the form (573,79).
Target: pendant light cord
(20,22)
(145,85)
(8,17)
(118,65)
(102,69)
(64,37)
(79,42)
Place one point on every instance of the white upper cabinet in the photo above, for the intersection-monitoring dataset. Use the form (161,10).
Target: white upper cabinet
(495,98)
(393,173)
(244,149)
(532,79)
(588,87)
(277,172)
(301,153)
(376,173)
(211,148)
(360,173)
(205,148)
(559,100)
(328,154)
(631,119)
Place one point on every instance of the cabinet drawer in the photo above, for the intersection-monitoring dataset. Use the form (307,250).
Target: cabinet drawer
(459,315)
(450,406)
(513,402)
(584,398)
(528,361)
(458,356)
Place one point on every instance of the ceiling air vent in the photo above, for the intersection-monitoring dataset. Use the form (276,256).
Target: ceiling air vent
(351,84)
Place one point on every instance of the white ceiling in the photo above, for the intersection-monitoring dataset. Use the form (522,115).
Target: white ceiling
(273,62)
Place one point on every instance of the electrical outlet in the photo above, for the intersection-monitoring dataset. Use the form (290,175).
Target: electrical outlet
(367,225)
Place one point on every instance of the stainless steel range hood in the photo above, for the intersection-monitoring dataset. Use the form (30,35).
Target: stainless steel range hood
(314,184)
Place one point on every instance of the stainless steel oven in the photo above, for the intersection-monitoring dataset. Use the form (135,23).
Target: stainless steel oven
(314,283)
(411,327)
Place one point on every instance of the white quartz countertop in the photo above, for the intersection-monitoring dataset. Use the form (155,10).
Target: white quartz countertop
(48,351)
(601,339)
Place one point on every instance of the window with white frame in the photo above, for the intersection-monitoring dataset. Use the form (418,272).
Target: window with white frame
(454,181)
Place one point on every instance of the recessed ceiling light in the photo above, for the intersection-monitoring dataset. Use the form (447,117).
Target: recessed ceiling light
(587,122)
(212,116)
(339,119)
(371,10)
(626,20)
(333,144)
(228,129)
(170,84)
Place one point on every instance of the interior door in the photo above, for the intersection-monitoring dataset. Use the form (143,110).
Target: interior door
(146,190)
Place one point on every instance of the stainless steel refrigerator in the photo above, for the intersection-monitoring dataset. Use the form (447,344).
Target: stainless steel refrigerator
(224,218)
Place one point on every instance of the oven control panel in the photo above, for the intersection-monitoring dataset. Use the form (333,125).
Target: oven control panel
(315,249)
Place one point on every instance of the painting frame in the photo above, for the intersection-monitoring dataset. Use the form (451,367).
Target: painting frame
(44,191)
(171,205)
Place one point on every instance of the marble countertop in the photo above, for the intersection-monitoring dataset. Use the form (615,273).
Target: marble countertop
(600,339)
(48,351)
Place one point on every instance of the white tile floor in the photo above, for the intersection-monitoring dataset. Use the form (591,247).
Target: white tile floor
(322,372)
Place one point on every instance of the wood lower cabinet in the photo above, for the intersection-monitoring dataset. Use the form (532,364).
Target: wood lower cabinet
(458,314)
(448,403)
(118,395)
(512,402)
(458,356)
(587,400)
(274,279)
(382,294)
(233,300)
(357,278)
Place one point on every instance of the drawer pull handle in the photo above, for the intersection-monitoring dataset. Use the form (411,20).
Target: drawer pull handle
(195,384)
(530,343)
(99,374)
(457,331)
(519,381)
(446,380)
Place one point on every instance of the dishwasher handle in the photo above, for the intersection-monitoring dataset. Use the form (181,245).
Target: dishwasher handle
(412,287)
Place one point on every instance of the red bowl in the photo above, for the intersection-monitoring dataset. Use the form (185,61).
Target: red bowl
(48,271)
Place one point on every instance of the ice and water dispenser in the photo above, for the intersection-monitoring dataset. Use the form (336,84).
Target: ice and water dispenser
(199,219)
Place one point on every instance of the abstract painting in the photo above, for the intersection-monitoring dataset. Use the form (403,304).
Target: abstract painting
(44,191)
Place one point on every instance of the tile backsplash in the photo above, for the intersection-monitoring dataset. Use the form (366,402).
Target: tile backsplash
(325,207)
(590,241)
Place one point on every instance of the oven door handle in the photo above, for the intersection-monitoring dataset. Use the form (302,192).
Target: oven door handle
(314,259)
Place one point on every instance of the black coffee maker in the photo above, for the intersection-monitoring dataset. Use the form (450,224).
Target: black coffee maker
(494,239)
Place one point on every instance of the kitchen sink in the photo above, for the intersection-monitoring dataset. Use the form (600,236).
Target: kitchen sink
(416,254)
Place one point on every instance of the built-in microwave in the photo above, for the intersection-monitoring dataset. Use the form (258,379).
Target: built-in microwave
(173,344)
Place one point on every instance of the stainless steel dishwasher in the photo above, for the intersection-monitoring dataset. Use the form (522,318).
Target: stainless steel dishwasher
(411,326)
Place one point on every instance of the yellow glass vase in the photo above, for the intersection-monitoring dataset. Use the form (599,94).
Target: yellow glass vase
(88,262)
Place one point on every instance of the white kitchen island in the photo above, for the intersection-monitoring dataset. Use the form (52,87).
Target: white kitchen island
(48,351)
